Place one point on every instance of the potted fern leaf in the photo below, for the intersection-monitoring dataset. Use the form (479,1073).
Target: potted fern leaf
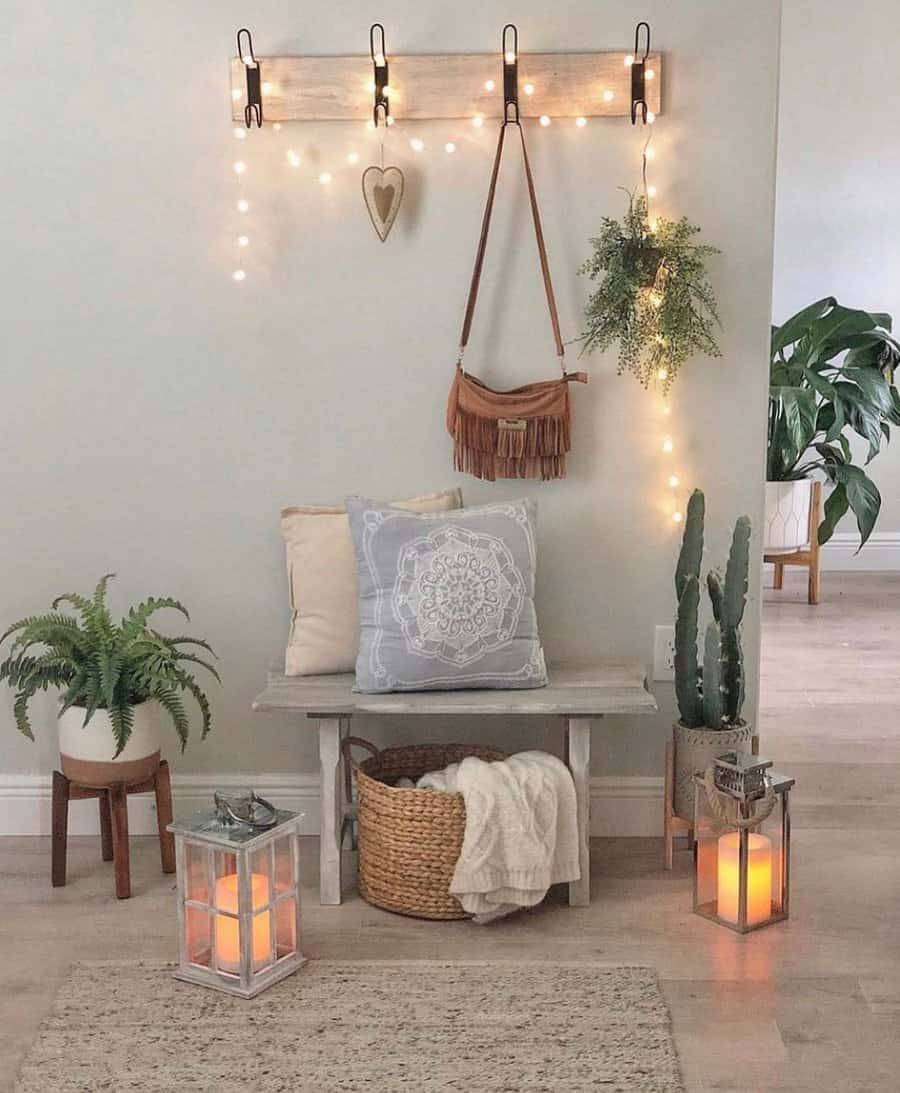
(709,685)
(117,681)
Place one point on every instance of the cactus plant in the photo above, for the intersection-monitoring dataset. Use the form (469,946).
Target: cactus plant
(711,697)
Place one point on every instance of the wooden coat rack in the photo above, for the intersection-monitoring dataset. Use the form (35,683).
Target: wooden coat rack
(427,87)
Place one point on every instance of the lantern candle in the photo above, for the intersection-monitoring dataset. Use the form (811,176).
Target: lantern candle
(759,878)
(228,942)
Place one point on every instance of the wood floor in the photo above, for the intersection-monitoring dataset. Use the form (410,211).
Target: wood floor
(813,1004)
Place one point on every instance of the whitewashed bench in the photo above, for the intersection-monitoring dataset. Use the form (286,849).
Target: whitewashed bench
(576,693)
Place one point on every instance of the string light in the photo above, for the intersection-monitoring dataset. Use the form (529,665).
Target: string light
(325,178)
(240,167)
(390,119)
(449,147)
(387,91)
(651,191)
(239,133)
(629,60)
(489,85)
(510,57)
(528,89)
(277,126)
(478,121)
(292,157)
(650,74)
(662,374)
(676,516)
(353,158)
(243,241)
(581,122)
(608,95)
(668,446)
(674,480)
(236,93)
(238,275)
(650,153)
(243,205)
(544,120)
(417,145)
(667,410)
(267,88)
(651,117)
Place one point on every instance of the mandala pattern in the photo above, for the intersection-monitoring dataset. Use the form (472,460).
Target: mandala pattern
(458,595)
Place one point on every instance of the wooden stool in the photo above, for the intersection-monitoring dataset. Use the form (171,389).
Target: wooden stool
(113,823)
(673,825)
(809,557)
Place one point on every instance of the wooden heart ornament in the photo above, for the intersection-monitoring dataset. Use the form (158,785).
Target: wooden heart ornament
(383,191)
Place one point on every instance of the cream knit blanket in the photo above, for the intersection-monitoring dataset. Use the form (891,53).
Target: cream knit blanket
(521,831)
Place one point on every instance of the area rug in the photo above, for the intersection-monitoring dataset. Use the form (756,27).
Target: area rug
(411,1027)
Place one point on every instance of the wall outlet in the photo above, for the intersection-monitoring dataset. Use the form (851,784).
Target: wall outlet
(664,652)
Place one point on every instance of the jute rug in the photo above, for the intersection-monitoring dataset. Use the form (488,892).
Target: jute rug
(412,1027)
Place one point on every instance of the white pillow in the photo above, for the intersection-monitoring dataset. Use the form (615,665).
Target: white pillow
(324,635)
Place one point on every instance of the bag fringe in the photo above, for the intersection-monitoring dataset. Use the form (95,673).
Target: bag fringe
(486,449)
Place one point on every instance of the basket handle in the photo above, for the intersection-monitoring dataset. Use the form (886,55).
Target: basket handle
(347,744)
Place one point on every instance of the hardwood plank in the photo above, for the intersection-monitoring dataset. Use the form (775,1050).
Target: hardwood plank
(567,85)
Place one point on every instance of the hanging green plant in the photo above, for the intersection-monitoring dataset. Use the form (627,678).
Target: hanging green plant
(654,297)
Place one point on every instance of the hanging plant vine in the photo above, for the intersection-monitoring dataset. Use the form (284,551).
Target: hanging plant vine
(654,296)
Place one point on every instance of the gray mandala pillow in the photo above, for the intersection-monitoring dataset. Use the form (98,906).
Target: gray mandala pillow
(446,600)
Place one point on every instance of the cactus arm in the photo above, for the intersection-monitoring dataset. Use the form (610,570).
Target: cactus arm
(714,585)
(733,674)
(687,675)
(691,542)
(713,710)
(736,575)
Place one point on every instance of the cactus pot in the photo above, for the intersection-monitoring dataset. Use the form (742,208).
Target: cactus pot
(86,751)
(695,749)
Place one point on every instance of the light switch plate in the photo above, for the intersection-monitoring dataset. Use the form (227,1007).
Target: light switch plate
(664,653)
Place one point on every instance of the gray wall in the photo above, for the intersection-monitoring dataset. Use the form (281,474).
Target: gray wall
(156,415)
(838,219)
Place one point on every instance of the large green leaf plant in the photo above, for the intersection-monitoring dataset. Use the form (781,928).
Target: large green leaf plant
(831,375)
(103,665)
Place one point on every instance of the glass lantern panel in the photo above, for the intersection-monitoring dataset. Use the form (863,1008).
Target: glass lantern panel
(228,943)
(285,927)
(262,940)
(197,935)
(224,866)
(284,864)
(196,872)
(262,881)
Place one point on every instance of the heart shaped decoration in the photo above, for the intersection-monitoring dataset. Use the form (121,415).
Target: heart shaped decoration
(383,191)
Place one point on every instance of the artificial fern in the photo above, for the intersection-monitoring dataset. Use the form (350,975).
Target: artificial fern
(654,296)
(99,664)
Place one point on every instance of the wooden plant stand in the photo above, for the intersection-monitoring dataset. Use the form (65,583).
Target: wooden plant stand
(809,557)
(673,825)
(113,823)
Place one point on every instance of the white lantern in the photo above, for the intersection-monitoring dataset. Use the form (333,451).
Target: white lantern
(238,873)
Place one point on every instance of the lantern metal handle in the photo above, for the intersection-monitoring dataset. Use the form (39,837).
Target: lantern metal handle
(229,816)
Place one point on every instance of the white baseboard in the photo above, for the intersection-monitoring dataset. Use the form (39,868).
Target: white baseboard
(881,552)
(620,805)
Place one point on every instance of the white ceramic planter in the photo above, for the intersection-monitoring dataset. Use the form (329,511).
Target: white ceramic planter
(695,749)
(787,516)
(86,751)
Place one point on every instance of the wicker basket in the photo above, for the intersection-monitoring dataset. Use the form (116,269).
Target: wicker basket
(409,839)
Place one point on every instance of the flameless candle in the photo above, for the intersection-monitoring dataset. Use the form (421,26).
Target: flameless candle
(759,877)
(228,944)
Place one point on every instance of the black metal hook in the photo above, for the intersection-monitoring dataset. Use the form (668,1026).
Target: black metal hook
(253,109)
(379,61)
(639,74)
(510,74)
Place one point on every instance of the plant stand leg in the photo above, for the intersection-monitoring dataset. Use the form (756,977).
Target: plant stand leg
(162,785)
(118,806)
(779,576)
(106,843)
(60,829)
(815,504)
(668,834)
(578,751)
(332,805)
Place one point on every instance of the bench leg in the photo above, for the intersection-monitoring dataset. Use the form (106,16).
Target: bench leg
(331,730)
(578,748)
(162,785)
(118,807)
(106,845)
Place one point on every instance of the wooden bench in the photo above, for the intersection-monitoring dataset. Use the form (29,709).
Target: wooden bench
(577,694)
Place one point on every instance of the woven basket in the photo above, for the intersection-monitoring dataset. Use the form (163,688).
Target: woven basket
(409,839)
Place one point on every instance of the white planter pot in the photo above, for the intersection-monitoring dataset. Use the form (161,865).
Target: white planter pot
(86,751)
(695,749)
(787,516)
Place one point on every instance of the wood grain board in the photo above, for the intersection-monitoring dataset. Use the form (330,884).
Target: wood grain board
(423,87)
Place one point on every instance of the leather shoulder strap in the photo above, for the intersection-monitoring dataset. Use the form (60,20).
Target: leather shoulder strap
(482,247)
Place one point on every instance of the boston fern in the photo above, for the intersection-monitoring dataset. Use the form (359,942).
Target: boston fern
(654,296)
(832,373)
(100,664)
